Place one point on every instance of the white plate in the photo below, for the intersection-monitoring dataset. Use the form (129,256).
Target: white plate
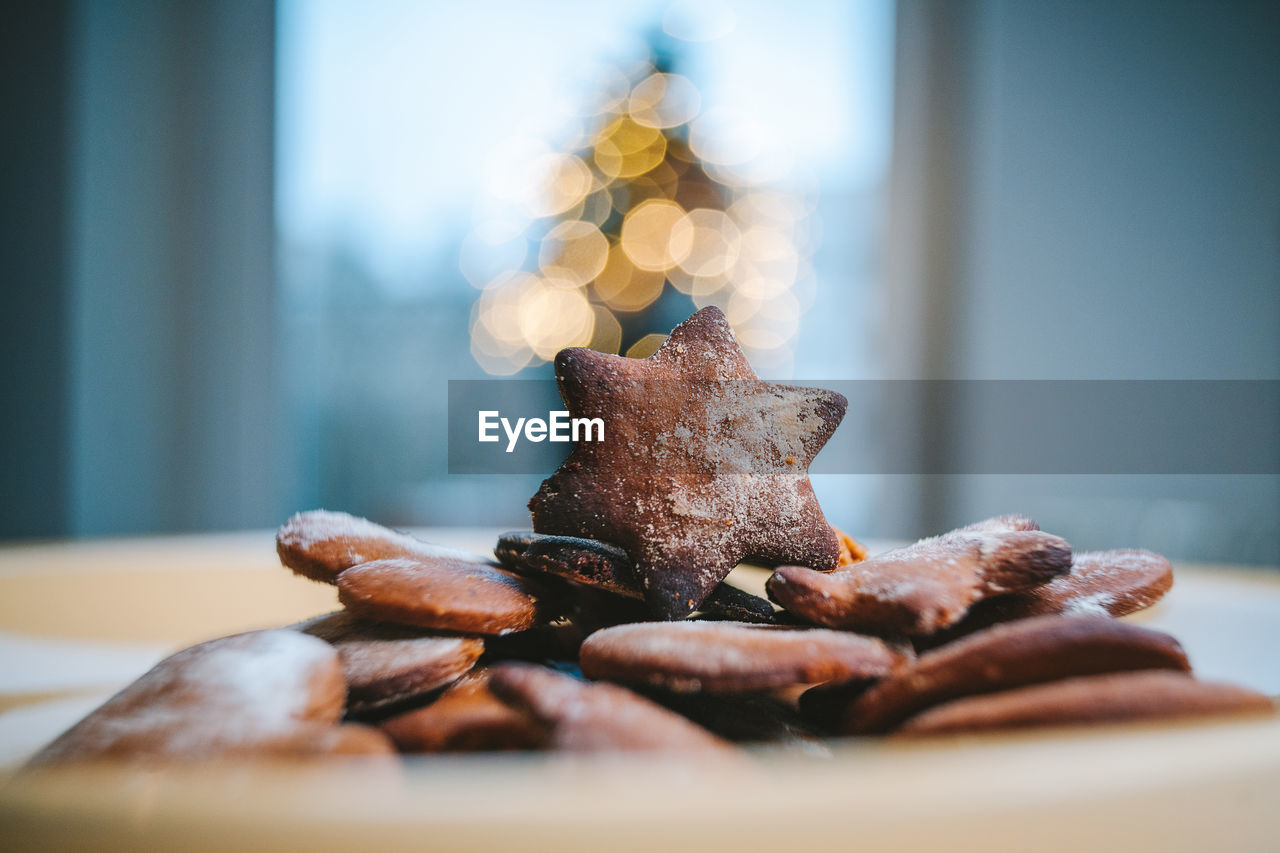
(79,620)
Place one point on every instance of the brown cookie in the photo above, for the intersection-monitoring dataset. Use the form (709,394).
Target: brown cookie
(321,545)
(593,717)
(466,717)
(1112,698)
(320,741)
(825,705)
(444,594)
(1114,583)
(730,657)
(1016,654)
(750,719)
(265,692)
(356,739)
(585,562)
(737,605)
(592,610)
(598,565)
(702,465)
(385,663)
(925,587)
(557,641)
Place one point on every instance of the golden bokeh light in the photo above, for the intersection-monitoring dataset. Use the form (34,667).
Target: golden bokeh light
(646,235)
(626,149)
(607,334)
(498,309)
(740,307)
(707,242)
(664,101)
(646,346)
(552,318)
(772,325)
(577,247)
(574,251)
(696,286)
(767,265)
(625,287)
(596,208)
(560,181)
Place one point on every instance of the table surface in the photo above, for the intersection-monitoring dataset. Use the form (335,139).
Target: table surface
(80,619)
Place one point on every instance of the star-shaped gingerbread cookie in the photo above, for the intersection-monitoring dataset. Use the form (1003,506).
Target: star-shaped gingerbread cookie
(702,464)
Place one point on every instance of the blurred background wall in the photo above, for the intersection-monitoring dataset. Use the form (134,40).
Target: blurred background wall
(1089,191)
(139,267)
(203,332)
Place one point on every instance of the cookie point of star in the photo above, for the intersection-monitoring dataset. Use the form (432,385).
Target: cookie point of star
(695,482)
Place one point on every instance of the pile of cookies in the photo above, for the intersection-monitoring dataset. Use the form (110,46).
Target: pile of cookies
(611,625)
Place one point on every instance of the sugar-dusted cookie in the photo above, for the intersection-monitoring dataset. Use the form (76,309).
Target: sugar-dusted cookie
(594,717)
(928,586)
(261,693)
(444,594)
(731,657)
(466,717)
(598,565)
(321,545)
(1015,654)
(702,465)
(1111,698)
(1114,583)
(386,663)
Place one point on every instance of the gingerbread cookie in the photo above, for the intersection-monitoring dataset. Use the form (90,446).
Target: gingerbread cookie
(1114,583)
(583,562)
(702,465)
(466,717)
(316,741)
(727,602)
(928,586)
(1016,654)
(1111,698)
(321,545)
(597,565)
(749,719)
(265,692)
(730,657)
(385,663)
(592,717)
(825,705)
(444,594)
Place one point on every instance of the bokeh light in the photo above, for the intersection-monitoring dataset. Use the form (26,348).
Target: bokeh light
(625,287)
(664,101)
(646,346)
(574,251)
(655,197)
(647,233)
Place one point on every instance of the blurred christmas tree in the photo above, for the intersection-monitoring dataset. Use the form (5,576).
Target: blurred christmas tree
(652,218)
